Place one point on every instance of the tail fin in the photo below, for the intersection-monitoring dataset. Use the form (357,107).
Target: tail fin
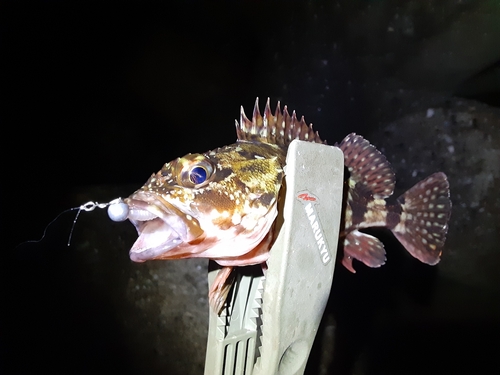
(426,209)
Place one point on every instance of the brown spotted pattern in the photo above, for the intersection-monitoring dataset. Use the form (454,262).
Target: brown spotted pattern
(227,216)
(424,220)
(240,174)
(221,204)
(368,166)
(419,219)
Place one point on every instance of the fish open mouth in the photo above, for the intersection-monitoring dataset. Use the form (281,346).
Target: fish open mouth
(160,225)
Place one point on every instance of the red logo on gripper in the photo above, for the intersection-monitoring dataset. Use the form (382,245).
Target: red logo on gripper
(306,197)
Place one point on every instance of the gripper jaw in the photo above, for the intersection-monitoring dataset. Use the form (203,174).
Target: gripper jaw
(269,322)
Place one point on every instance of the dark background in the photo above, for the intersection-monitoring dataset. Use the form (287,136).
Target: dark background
(102,94)
(105,94)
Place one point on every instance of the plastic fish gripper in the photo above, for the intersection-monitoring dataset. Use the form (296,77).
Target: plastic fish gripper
(269,322)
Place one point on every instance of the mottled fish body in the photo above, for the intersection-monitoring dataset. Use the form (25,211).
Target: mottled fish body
(222,204)
(418,218)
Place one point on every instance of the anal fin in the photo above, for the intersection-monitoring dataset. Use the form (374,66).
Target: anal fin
(363,247)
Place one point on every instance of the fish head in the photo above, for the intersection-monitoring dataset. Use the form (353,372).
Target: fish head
(218,205)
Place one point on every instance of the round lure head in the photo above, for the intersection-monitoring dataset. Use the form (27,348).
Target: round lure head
(218,205)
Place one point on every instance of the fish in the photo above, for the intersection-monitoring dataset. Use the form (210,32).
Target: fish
(222,204)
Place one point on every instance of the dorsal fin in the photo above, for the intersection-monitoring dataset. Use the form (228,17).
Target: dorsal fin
(279,129)
(368,167)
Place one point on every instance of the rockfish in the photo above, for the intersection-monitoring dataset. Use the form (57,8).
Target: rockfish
(222,204)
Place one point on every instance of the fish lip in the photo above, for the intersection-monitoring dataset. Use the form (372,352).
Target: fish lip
(160,225)
(145,207)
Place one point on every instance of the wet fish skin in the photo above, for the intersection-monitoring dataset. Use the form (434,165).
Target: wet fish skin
(418,219)
(222,204)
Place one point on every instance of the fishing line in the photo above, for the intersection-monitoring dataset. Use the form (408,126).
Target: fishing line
(117,211)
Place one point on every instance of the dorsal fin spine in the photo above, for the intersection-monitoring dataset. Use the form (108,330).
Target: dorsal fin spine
(256,117)
(279,129)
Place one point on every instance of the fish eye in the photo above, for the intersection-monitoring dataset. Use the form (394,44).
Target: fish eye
(194,170)
(198,175)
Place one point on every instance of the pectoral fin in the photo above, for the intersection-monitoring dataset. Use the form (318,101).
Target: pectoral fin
(220,288)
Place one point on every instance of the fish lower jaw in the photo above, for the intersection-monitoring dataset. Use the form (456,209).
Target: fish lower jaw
(155,238)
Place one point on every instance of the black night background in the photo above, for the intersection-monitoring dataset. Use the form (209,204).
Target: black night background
(98,95)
